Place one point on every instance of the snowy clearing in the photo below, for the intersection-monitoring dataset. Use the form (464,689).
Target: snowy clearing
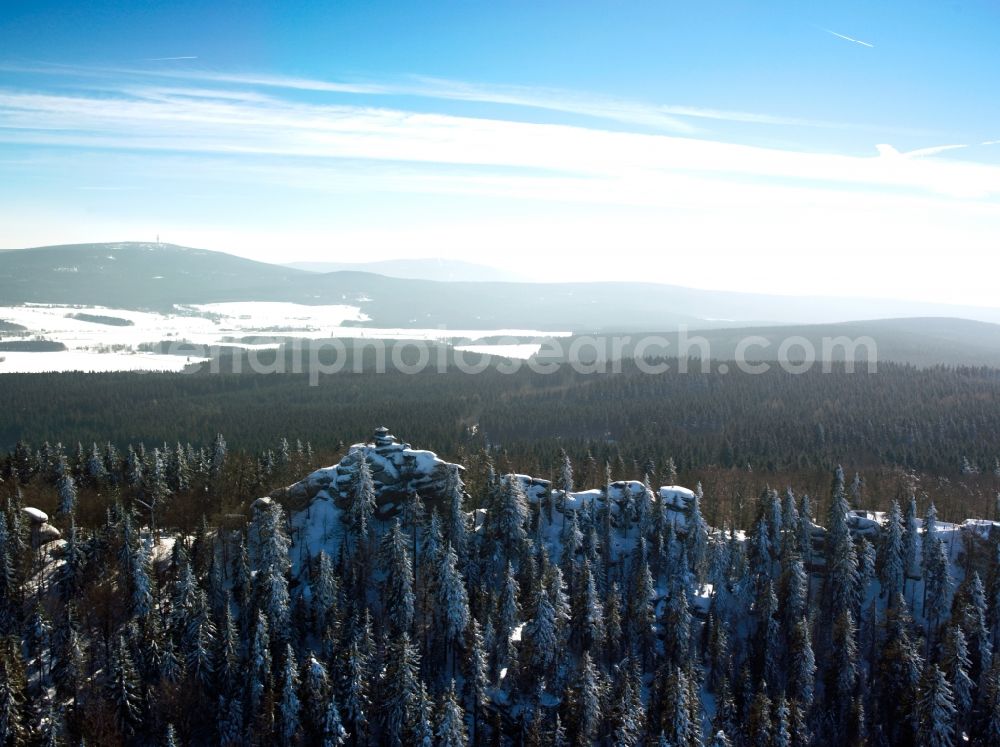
(114,344)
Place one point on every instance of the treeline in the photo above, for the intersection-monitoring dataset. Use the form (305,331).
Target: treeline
(176,486)
(905,430)
(928,420)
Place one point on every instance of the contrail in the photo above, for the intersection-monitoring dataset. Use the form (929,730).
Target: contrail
(848,38)
(165,59)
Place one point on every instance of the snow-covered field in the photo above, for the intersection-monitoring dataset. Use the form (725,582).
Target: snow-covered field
(93,346)
(81,360)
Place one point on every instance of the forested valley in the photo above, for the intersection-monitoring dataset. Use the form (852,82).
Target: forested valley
(150,592)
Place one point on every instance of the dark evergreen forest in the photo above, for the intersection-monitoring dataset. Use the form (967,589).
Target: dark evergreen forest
(160,601)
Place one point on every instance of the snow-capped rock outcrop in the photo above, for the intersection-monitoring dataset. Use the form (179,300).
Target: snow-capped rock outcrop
(41,531)
(397,471)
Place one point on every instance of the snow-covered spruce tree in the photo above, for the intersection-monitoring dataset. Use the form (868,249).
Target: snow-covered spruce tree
(12,683)
(570,540)
(790,522)
(644,509)
(804,530)
(760,551)
(334,733)
(802,666)
(67,494)
(228,648)
(540,638)
(259,665)
(156,488)
(512,519)
(397,586)
(217,463)
(627,709)
(898,671)
(793,587)
(139,582)
(355,691)
(179,470)
(782,724)
(8,577)
(122,687)
(842,676)
(771,637)
(974,615)
(587,697)
(677,724)
(401,691)
(451,721)
(911,536)
(456,530)
(289,705)
(67,655)
(676,623)
(413,519)
(993,599)
(639,618)
(94,470)
(134,471)
(361,511)
(937,591)
(268,546)
(857,490)
(991,712)
(476,674)
(696,537)
(198,641)
(760,729)
(613,626)
(892,555)
(423,728)
(955,664)
(565,481)
(841,557)
(928,548)
(325,590)
(453,601)
(867,564)
(774,521)
(428,570)
(53,726)
(935,713)
(507,617)
(587,631)
(314,692)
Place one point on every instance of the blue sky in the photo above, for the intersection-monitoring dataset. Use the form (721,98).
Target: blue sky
(781,147)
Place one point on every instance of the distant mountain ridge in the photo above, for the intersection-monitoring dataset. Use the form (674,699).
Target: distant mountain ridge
(156,276)
(919,341)
(447,270)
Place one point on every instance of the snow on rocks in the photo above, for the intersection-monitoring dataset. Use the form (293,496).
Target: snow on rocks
(41,531)
(35,515)
(397,471)
(534,487)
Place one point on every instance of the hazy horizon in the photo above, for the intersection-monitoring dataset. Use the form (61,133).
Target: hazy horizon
(843,152)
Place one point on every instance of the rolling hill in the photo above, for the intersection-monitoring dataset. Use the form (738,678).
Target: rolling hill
(157,276)
(417,269)
(919,341)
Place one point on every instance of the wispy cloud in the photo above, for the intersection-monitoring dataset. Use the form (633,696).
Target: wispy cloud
(933,150)
(849,38)
(677,118)
(179,119)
